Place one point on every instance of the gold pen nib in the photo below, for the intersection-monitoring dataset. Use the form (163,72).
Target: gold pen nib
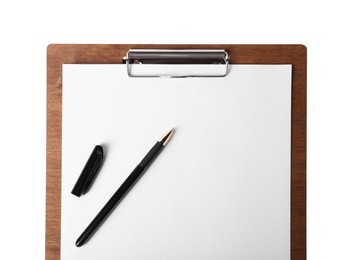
(165,139)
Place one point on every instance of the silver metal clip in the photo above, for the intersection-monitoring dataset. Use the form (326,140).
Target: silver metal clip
(166,63)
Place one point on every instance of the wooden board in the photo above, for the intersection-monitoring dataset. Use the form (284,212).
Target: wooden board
(58,54)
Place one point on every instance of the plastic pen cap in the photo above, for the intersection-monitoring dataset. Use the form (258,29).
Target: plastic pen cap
(89,172)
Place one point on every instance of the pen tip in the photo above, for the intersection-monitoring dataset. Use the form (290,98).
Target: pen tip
(165,139)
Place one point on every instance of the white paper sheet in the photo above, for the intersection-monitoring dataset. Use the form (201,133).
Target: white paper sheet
(219,190)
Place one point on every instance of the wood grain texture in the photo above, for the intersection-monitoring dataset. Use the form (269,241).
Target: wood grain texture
(58,54)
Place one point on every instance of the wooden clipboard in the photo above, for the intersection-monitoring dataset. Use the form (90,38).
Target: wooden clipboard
(58,54)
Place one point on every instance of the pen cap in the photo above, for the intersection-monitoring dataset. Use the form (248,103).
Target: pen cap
(89,172)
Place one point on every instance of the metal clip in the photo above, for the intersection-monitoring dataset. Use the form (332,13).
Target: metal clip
(140,63)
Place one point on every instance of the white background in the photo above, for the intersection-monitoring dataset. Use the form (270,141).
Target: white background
(27,27)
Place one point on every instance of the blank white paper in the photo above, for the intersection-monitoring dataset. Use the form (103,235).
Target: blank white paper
(219,190)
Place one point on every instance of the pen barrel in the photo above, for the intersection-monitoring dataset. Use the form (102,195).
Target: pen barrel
(123,190)
(111,204)
(120,194)
(152,154)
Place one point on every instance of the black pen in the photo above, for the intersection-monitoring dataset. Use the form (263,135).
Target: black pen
(123,189)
